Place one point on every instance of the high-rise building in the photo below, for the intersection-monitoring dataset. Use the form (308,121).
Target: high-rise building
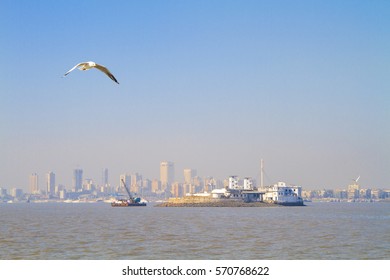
(34,187)
(77,180)
(156,185)
(177,189)
(167,174)
(353,191)
(105,177)
(17,193)
(248,183)
(136,182)
(146,186)
(50,183)
(210,184)
(88,185)
(124,178)
(188,175)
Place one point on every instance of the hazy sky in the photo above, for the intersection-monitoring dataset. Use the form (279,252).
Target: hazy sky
(209,85)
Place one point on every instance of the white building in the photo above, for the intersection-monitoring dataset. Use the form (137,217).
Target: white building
(233,183)
(280,193)
(248,184)
(220,193)
(34,187)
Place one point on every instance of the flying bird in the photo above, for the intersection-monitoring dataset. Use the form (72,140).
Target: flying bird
(90,64)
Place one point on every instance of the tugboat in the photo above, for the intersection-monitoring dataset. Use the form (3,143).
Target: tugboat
(131,201)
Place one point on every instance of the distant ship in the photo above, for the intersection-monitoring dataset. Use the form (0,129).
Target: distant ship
(131,201)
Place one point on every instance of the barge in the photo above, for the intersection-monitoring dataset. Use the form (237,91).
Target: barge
(131,201)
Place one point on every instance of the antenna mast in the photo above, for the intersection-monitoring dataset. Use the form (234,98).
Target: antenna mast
(261,173)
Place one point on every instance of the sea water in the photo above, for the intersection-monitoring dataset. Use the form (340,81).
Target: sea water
(94,231)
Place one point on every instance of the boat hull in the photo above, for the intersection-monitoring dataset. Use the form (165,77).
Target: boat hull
(127,204)
(297,203)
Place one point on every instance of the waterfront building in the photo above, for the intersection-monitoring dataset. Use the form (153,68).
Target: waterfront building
(341,194)
(353,191)
(233,183)
(62,194)
(3,192)
(16,193)
(50,183)
(281,193)
(248,184)
(365,193)
(377,194)
(167,174)
(34,187)
(77,180)
(58,188)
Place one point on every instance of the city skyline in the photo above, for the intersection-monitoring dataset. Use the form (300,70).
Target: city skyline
(186,176)
(214,86)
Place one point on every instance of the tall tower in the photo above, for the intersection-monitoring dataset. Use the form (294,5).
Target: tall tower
(34,187)
(78,180)
(261,174)
(50,183)
(167,174)
(105,177)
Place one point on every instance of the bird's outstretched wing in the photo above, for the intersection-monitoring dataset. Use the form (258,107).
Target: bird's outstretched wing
(106,71)
(81,63)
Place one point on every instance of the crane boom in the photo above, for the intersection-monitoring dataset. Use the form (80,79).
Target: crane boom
(128,191)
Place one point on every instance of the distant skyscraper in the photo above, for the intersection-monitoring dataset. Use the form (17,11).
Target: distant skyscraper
(167,174)
(50,183)
(124,178)
(146,186)
(34,187)
(105,177)
(177,189)
(136,182)
(78,180)
(188,175)
(156,185)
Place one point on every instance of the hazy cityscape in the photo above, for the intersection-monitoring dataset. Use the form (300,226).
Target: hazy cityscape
(253,132)
(44,187)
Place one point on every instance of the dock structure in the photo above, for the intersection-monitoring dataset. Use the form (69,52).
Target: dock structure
(235,195)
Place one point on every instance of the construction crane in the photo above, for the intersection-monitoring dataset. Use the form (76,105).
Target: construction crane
(130,202)
(128,191)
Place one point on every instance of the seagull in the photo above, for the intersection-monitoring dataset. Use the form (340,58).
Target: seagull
(90,64)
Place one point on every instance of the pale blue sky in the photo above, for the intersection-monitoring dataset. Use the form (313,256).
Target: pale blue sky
(209,85)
